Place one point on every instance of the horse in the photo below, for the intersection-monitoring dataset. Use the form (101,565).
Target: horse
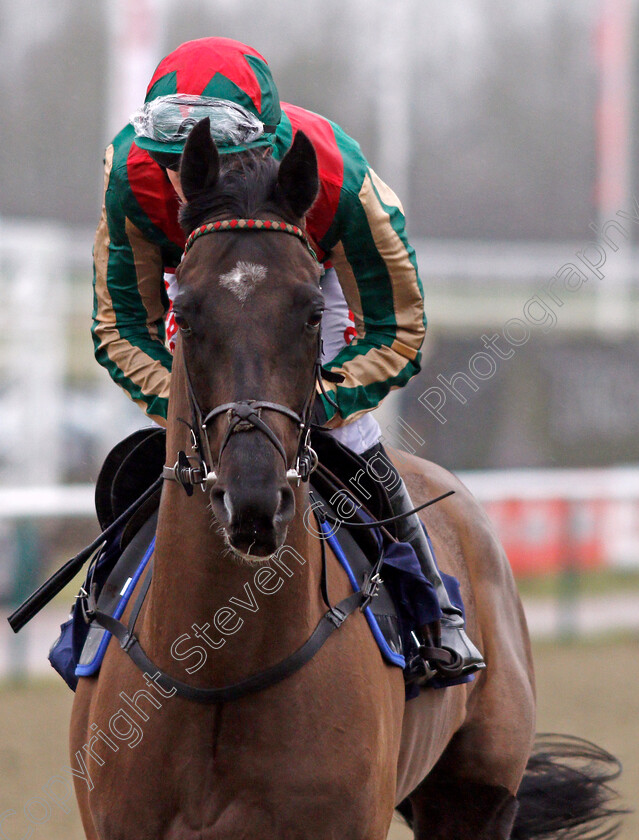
(332,749)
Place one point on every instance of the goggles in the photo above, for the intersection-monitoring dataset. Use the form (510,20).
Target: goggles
(163,124)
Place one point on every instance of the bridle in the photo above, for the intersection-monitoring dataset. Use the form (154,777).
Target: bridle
(246,415)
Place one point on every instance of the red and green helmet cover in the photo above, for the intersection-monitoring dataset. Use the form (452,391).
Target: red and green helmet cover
(221,68)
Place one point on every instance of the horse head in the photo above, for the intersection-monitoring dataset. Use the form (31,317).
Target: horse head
(249,310)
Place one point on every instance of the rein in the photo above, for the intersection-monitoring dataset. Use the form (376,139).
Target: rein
(331,620)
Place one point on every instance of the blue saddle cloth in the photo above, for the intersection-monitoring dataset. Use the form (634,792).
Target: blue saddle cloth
(406,602)
(414,598)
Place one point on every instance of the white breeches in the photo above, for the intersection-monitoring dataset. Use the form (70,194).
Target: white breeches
(338,330)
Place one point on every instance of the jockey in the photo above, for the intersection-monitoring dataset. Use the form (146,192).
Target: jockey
(374,320)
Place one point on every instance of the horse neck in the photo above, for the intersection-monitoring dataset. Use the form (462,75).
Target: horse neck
(198,581)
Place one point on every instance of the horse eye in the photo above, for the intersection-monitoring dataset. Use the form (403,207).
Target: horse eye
(182,324)
(315,320)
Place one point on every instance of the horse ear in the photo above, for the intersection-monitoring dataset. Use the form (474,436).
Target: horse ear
(200,161)
(298,178)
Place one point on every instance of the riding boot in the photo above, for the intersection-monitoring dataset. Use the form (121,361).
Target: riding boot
(452,634)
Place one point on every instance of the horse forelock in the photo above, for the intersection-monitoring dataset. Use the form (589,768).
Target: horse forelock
(246,188)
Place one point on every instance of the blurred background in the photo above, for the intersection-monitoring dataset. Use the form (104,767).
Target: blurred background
(508,129)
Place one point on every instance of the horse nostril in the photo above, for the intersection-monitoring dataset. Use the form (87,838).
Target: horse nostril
(221,504)
(286,507)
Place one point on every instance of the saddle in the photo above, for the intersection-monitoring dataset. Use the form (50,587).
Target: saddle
(128,470)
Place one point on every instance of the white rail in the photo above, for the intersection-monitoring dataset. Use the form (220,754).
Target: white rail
(614,483)
(572,485)
(55,501)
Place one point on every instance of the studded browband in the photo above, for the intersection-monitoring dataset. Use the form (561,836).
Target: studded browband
(250,224)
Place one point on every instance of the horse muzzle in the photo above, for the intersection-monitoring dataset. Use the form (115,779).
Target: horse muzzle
(254,519)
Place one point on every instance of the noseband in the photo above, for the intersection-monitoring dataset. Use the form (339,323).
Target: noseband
(246,415)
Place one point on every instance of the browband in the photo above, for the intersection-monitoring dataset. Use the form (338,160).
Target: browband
(250,224)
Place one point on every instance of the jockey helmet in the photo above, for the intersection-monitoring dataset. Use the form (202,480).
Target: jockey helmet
(216,77)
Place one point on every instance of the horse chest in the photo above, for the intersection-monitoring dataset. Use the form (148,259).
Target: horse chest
(243,778)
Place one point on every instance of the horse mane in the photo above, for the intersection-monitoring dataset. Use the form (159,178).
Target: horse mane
(246,188)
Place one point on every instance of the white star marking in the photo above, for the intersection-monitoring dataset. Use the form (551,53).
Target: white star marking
(242,279)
